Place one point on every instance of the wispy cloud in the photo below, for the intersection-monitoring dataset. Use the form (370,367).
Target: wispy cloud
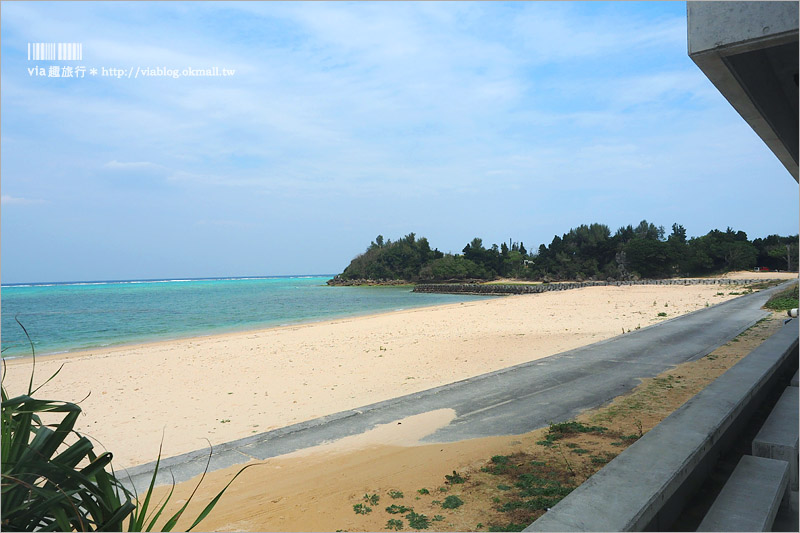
(114,164)
(7,199)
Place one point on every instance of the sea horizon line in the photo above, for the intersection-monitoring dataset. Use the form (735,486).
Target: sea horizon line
(160,280)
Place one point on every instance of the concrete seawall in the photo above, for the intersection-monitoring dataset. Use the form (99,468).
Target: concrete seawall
(476,288)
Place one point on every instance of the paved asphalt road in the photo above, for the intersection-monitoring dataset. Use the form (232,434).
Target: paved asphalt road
(511,401)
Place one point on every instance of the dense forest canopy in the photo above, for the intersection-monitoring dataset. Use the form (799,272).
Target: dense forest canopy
(584,253)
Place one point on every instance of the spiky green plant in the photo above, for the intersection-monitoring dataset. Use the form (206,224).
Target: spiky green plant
(52,480)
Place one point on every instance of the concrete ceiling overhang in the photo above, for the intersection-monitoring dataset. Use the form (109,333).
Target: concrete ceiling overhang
(749,51)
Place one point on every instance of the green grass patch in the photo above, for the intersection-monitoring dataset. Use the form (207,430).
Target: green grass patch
(784,300)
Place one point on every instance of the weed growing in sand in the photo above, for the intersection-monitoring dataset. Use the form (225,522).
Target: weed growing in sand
(510,527)
(503,487)
(398,509)
(662,314)
(452,502)
(566,461)
(500,465)
(417,521)
(394,524)
(372,498)
(437,518)
(395,494)
(561,430)
(360,508)
(423,491)
(455,479)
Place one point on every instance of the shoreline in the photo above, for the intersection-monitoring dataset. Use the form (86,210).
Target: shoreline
(511,287)
(222,335)
(14,358)
(224,387)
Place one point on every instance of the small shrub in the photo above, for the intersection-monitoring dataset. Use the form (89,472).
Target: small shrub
(398,509)
(437,518)
(372,498)
(424,491)
(417,521)
(455,479)
(662,314)
(395,494)
(452,502)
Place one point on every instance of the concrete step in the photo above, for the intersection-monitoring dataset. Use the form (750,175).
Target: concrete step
(751,498)
(778,438)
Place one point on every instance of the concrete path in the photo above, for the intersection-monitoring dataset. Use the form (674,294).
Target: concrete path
(511,401)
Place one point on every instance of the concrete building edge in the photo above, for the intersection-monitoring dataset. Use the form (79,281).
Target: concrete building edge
(712,64)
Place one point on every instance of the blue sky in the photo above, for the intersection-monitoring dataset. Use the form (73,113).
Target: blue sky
(344,121)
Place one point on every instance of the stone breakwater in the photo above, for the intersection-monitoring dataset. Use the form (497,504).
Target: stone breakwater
(336,281)
(475,288)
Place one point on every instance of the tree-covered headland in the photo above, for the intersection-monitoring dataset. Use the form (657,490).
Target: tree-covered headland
(584,253)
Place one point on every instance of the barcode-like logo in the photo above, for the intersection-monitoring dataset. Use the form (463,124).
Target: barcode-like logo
(55,51)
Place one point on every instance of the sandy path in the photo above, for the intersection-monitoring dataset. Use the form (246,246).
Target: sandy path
(230,386)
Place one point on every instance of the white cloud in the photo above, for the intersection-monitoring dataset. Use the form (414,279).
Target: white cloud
(130,165)
(7,199)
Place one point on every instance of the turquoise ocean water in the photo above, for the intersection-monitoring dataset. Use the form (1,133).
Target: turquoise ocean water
(66,317)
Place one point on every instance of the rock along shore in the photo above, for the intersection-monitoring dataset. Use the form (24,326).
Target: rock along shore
(477,288)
